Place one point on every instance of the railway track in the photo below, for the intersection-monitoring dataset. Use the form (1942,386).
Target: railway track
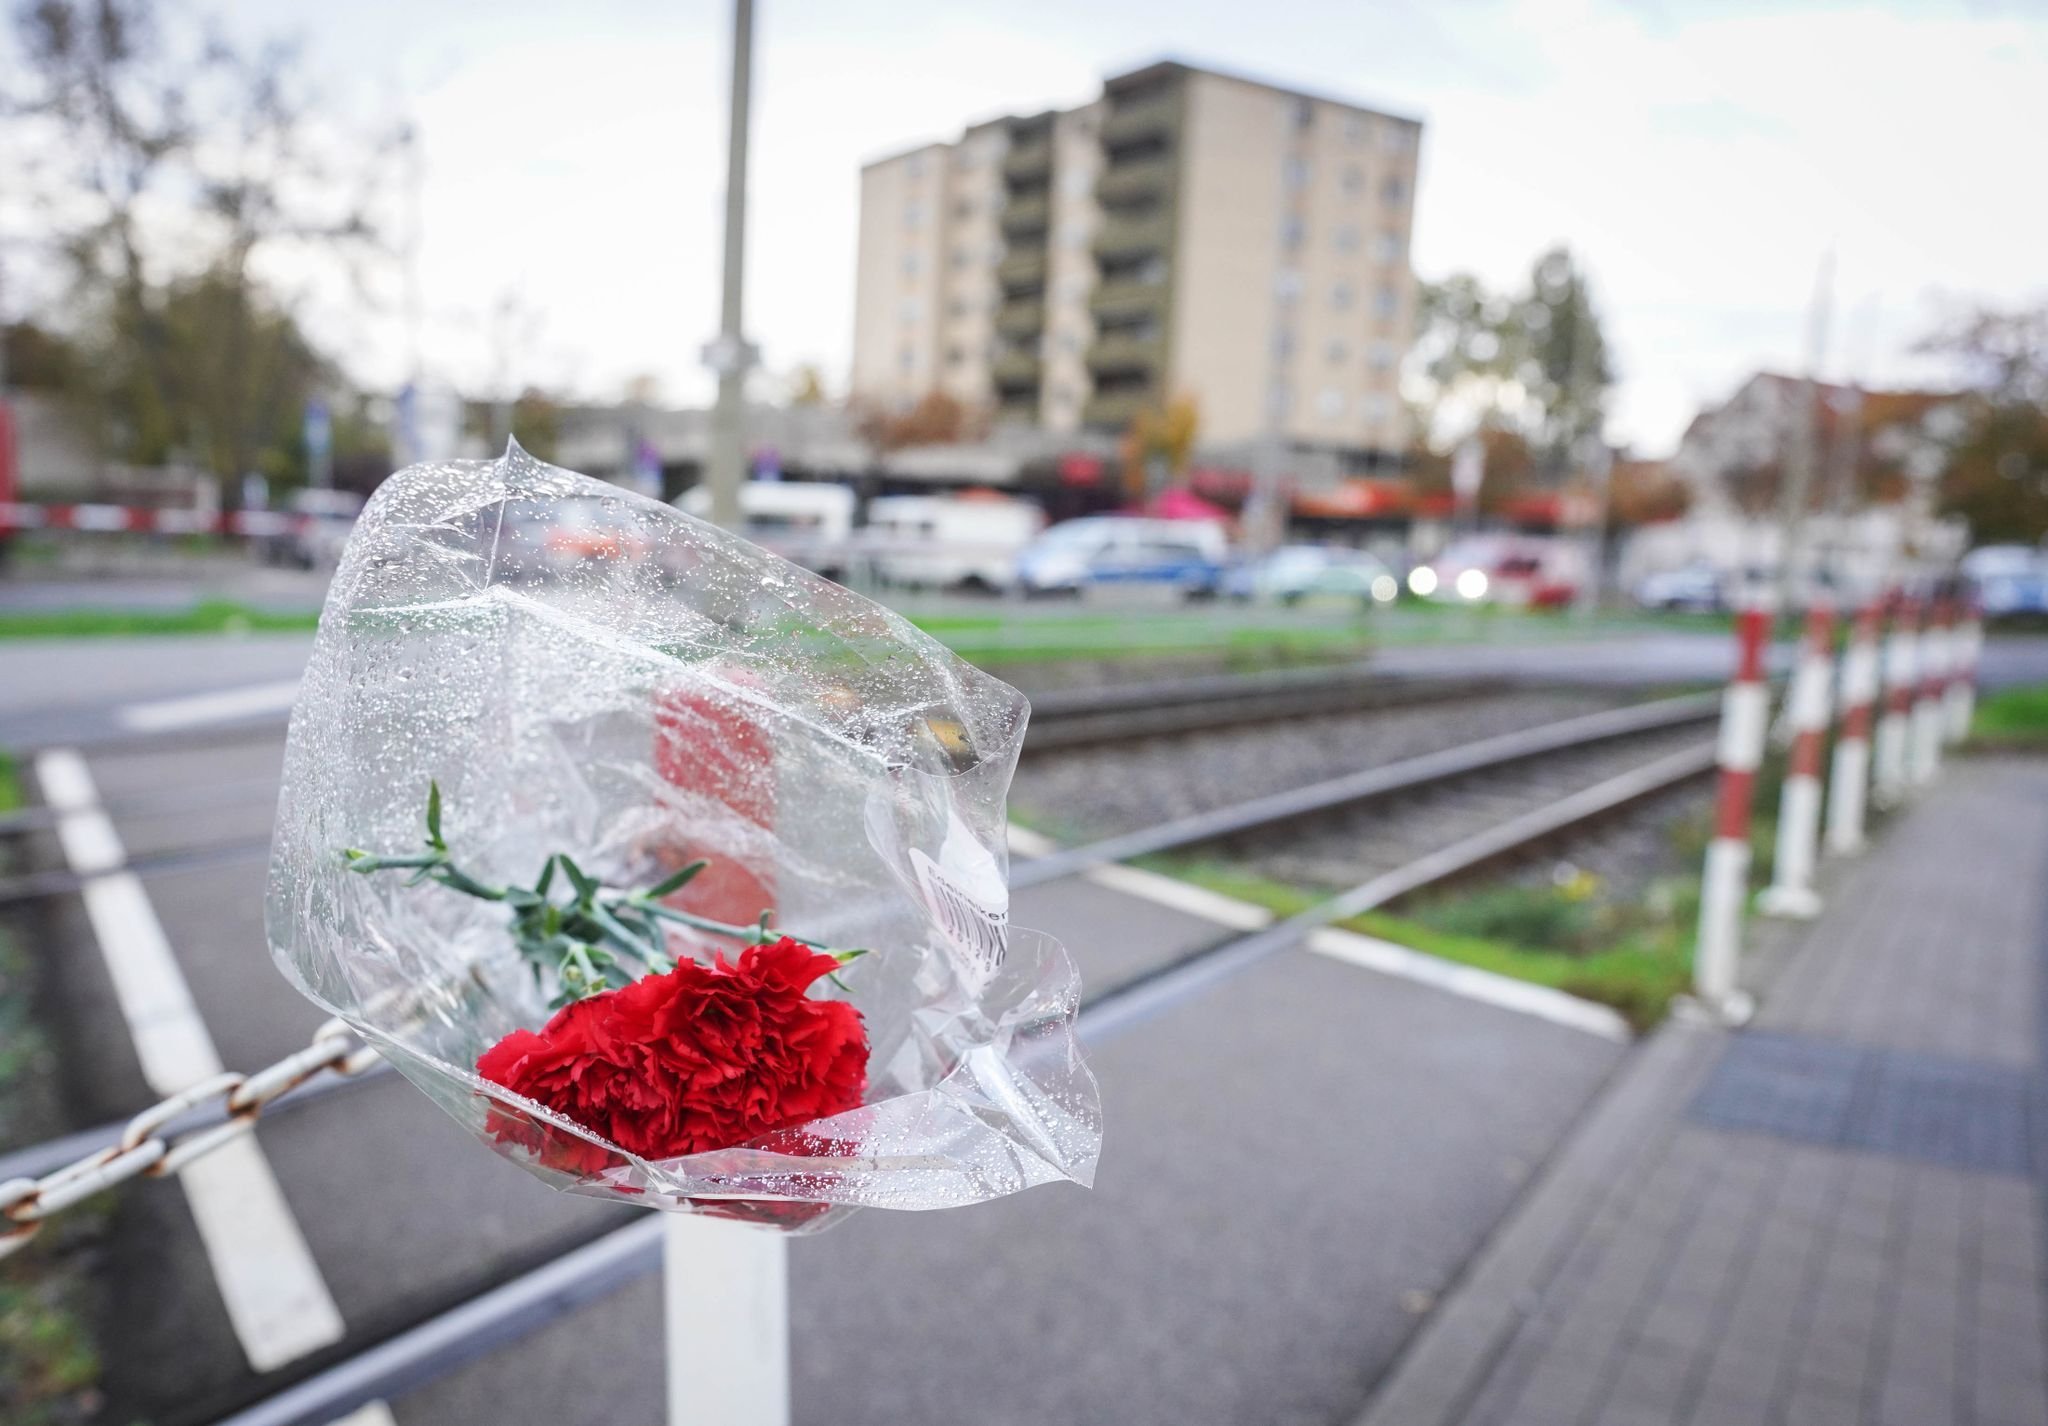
(1456,808)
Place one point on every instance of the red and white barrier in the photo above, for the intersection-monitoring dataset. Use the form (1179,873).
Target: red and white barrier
(1930,717)
(136,519)
(1791,890)
(1888,786)
(1724,886)
(1849,777)
(1966,644)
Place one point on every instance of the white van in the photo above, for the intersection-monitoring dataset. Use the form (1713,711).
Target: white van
(939,541)
(808,524)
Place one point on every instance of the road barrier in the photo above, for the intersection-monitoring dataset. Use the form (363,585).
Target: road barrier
(1849,777)
(1724,886)
(1930,717)
(1791,890)
(1967,646)
(1894,727)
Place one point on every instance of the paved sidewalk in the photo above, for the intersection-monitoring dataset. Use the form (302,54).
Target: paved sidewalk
(1834,1216)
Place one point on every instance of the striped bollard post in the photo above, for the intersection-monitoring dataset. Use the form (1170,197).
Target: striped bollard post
(1849,777)
(1889,784)
(1929,696)
(1791,890)
(1724,886)
(1966,644)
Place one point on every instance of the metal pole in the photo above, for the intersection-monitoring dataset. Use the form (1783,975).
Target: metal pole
(730,355)
(725,1287)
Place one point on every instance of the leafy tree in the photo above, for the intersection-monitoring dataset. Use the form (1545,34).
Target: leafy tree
(937,419)
(171,164)
(1159,443)
(1997,474)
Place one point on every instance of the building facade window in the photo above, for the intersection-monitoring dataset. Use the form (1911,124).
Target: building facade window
(1381,356)
(1386,247)
(1385,300)
(1396,138)
(1338,352)
(1330,403)
(913,214)
(1341,297)
(1353,181)
(1393,192)
(1297,173)
(1292,230)
(1287,284)
(1304,113)
(1354,128)
(1347,238)
(913,309)
(1374,409)
(1283,343)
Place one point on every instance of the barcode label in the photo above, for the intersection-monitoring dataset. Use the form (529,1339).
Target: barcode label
(977,934)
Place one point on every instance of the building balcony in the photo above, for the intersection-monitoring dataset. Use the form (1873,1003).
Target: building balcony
(1134,182)
(1018,408)
(1127,301)
(1022,271)
(1115,410)
(1115,355)
(1016,371)
(1022,216)
(1134,237)
(1028,162)
(1156,118)
(1024,318)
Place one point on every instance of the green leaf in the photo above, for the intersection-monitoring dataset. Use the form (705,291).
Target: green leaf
(675,882)
(434,816)
(586,886)
(547,878)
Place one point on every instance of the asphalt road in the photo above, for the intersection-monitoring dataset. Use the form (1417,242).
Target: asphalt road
(1290,1161)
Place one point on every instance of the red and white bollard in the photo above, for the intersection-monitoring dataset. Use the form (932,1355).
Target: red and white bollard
(1966,643)
(1791,890)
(1930,717)
(1724,887)
(1849,778)
(1894,726)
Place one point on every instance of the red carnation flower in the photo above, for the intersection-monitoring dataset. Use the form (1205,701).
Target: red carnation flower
(701,1058)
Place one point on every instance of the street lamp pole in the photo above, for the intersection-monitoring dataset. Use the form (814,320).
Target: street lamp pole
(730,356)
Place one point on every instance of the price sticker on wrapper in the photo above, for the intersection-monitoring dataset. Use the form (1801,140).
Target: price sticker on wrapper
(965,892)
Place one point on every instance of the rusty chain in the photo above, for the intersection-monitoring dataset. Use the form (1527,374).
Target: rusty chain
(142,1149)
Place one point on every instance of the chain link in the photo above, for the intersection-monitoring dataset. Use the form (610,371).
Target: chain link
(142,1149)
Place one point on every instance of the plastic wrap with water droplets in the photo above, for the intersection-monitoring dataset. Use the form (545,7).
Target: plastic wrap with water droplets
(585,670)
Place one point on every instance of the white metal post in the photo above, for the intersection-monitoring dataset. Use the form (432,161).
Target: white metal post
(1929,714)
(1791,890)
(1893,729)
(1849,779)
(725,1293)
(1724,883)
(1968,642)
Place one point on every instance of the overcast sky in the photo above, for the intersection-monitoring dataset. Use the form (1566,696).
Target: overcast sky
(1700,157)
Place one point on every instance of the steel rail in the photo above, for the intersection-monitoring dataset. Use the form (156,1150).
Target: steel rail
(415,1356)
(1402,776)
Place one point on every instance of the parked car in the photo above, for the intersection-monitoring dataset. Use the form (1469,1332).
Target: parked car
(325,519)
(1125,550)
(807,522)
(1516,570)
(940,541)
(581,531)
(1695,587)
(1294,573)
(2008,579)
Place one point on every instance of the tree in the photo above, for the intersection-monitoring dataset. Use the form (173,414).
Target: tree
(937,419)
(173,163)
(1158,445)
(1534,362)
(1997,472)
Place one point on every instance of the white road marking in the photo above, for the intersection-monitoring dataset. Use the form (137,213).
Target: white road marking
(163,715)
(272,1289)
(1369,952)
(374,1414)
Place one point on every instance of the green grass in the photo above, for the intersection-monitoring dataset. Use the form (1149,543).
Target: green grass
(2013,718)
(210,616)
(49,1364)
(1633,958)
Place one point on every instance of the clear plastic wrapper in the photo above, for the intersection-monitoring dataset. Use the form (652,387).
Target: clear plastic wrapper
(584,670)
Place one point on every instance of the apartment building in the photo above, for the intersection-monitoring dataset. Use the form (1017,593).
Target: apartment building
(1186,233)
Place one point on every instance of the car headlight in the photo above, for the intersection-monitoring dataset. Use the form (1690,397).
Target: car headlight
(1384,589)
(1471,584)
(1422,580)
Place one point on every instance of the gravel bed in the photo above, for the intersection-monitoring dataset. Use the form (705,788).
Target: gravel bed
(1090,792)
(1628,851)
(1045,676)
